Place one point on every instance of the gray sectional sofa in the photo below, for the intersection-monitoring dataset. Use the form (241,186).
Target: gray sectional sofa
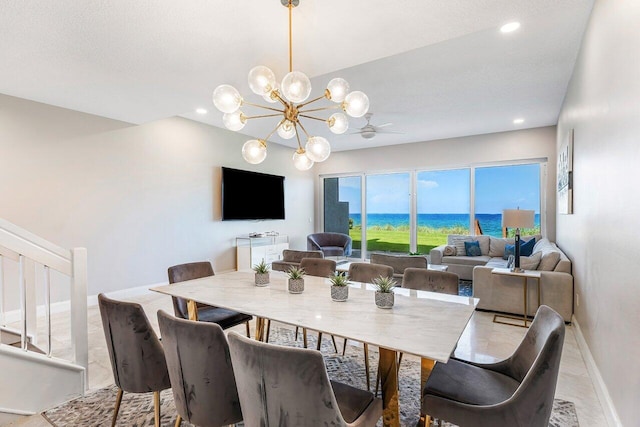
(504,293)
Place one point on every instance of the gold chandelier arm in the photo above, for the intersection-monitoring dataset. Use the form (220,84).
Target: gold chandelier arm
(274,131)
(311,117)
(262,106)
(262,116)
(331,107)
(298,138)
(312,101)
(284,103)
(290,38)
(304,130)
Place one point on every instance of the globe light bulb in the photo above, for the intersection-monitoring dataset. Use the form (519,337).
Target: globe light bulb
(287,130)
(338,123)
(356,104)
(234,121)
(338,89)
(296,86)
(301,161)
(254,151)
(226,98)
(261,80)
(318,149)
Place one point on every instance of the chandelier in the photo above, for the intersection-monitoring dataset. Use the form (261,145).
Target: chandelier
(292,93)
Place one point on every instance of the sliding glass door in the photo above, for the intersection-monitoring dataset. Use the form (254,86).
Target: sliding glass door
(388,213)
(442,206)
(343,209)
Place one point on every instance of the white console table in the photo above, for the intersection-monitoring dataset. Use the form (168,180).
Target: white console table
(252,250)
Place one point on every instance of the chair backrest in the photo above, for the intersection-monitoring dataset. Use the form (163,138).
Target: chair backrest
(399,262)
(365,272)
(318,267)
(321,241)
(137,357)
(201,373)
(184,272)
(282,386)
(291,255)
(430,280)
(536,364)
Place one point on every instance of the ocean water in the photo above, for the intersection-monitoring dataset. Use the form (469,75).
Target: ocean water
(491,224)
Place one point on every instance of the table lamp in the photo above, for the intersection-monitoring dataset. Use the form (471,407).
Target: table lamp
(517,218)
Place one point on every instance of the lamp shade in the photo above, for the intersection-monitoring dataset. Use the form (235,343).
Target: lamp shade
(518,218)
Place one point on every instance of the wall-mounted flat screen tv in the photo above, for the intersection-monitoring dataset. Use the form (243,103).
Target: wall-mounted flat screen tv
(251,195)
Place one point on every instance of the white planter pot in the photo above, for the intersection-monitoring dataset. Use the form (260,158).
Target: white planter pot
(262,279)
(296,286)
(384,299)
(339,293)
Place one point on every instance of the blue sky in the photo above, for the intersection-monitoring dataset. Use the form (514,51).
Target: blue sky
(447,191)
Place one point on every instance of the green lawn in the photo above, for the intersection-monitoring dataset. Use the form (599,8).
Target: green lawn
(397,239)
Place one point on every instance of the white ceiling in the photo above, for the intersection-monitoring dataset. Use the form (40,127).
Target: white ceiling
(436,69)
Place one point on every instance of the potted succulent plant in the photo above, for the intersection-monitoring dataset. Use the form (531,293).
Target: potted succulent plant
(384,291)
(262,273)
(296,280)
(339,288)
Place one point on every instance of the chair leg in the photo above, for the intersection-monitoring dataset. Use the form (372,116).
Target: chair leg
(266,338)
(366,365)
(156,404)
(319,341)
(117,407)
(304,337)
(178,421)
(296,338)
(248,330)
(333,339)
(344,347)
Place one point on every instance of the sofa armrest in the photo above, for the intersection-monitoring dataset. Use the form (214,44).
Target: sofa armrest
(436,254)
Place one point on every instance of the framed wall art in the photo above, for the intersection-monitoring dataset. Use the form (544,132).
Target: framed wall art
(565,175)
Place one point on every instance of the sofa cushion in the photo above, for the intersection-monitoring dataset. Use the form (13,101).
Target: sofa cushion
(465,260)
(526,247)
(496,246)
(472,248)
(549,260)
(497,262)
(458,242)
(530,262)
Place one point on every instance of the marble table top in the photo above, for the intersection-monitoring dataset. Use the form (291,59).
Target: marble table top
(422,323)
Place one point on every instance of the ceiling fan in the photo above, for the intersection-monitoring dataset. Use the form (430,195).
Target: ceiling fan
(368,131)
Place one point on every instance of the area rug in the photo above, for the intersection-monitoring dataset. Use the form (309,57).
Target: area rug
(136,410)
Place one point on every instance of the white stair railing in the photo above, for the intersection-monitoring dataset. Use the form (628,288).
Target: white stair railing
(28,250)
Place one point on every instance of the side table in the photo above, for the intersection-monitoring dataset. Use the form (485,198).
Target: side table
(526,274)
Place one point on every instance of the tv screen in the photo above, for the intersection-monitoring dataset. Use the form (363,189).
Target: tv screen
(251,195)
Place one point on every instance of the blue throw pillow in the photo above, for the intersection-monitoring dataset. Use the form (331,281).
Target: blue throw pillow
(509,250)
(472,248)
(526,248)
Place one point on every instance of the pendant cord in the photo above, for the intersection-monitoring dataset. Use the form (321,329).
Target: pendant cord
(290,39)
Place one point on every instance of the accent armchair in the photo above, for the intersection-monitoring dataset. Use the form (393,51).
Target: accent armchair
(331,244)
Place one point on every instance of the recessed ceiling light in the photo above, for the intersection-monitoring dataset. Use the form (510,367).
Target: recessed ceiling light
(511,26)
(201,111)
(518,121)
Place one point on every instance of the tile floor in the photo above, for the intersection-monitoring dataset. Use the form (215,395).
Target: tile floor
(482,340)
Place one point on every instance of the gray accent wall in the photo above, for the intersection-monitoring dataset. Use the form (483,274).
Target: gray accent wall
(602,106)
(140,198)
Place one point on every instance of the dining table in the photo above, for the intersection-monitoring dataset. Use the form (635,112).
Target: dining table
(420,323)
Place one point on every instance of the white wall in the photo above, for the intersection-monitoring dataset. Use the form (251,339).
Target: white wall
(602,105)
(139,198)
(455,152)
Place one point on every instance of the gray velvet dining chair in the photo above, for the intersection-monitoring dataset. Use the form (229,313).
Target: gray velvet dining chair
(286,386)
(319,268)
(206,313)
(516,391)
(365,273)
(423,279)
(137,357)
(201,373)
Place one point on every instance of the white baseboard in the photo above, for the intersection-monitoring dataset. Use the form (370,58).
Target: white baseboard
(609,409)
